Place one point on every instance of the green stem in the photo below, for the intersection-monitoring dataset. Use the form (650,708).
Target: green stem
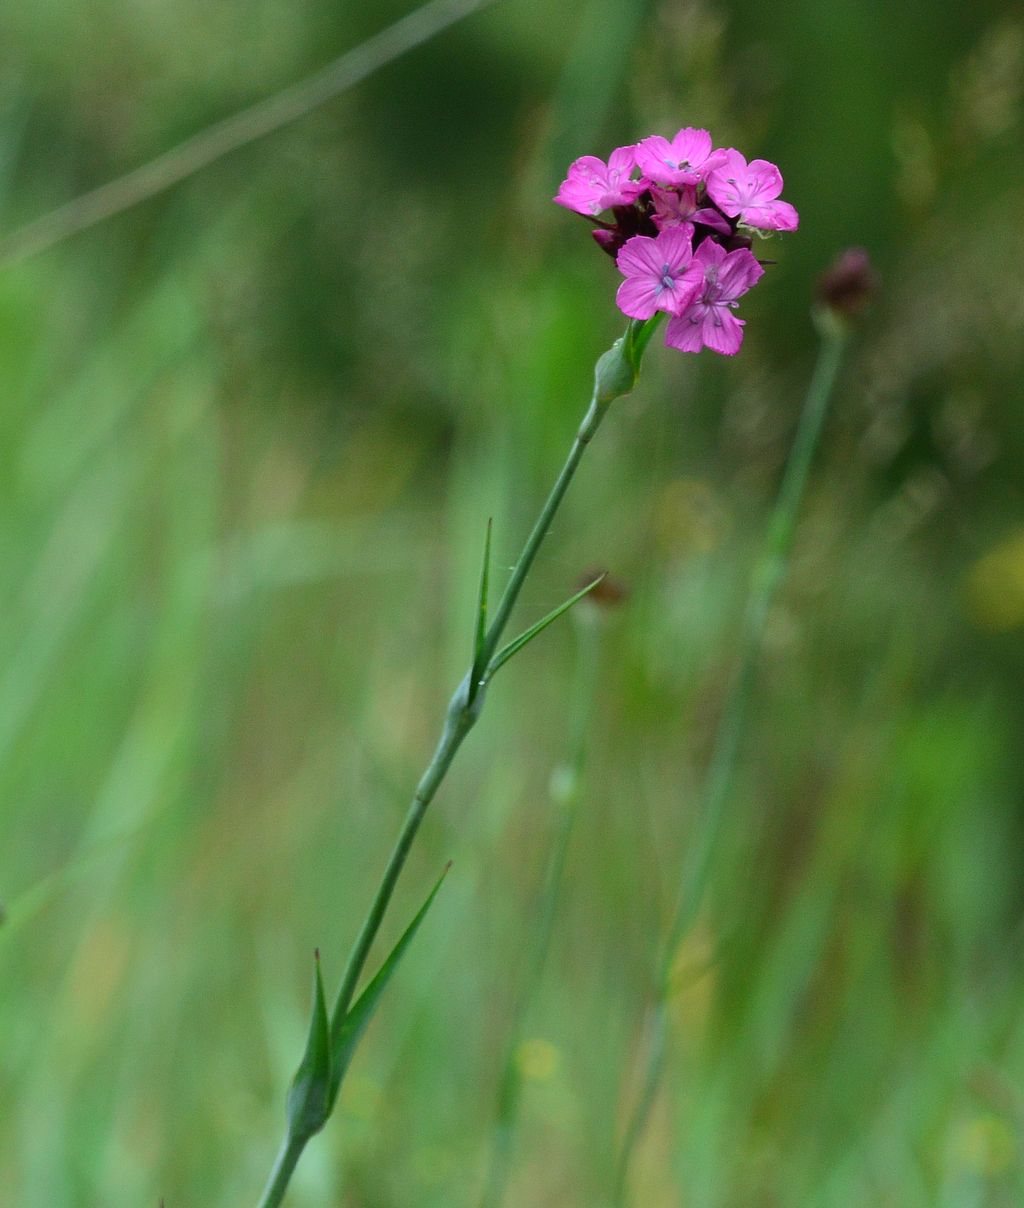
(591,421)
(281,1175)
(461,718)
(565,794)
(768,576)
(465,706)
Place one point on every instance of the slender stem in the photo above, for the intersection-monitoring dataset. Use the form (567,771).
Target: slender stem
(768,576)
(455,730)
(461,718)
(566,789)
(463,711)
(280,1176)
(591,421)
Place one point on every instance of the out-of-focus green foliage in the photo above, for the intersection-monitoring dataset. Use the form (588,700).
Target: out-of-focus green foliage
(251,431)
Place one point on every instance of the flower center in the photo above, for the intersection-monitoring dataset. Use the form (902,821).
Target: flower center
(667,280)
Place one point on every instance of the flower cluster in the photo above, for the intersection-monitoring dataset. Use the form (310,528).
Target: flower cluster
(684,216)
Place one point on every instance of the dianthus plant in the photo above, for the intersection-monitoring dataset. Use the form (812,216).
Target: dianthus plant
(683,216)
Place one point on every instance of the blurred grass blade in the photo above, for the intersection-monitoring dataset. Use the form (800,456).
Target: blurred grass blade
(309,1099)
(480,641)
(237,131)
(350,1031)
(503,655)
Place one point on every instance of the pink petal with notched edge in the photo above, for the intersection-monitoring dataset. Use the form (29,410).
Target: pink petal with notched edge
(683,161)
(644,254)
(683,330)
(622,160)
(764,180)
(737,273)
(639,255)
(711,218)
(721,331)
(638,297)
(710,254)
(776,216)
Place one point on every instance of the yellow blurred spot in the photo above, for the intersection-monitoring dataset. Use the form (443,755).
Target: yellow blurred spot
(986,1145)
(96,973)
(995,586)
(538,1059)
(692,982)
(917,174)
(689,517)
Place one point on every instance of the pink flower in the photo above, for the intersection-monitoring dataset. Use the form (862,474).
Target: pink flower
(708,321)
(683,161)
(660,273)
(749,192)
(674,207)
(592,185)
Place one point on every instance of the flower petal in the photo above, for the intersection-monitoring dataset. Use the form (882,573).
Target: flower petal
(775,216)
(710,217)
(721,331)
(638,297)
(679,162)
(691,145)
(684,331)
(675,246)
(622,160)
(640,256)
(739,271)
(709,255)
(765,180)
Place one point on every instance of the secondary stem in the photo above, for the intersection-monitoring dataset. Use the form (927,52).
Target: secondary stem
(768,576)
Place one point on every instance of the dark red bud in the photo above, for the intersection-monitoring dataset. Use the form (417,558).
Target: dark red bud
(848,284)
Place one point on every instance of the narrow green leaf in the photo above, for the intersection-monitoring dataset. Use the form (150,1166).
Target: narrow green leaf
(309,1099)
(639,336)
(503,655)
(515,646)
(346,1037)
(479,643)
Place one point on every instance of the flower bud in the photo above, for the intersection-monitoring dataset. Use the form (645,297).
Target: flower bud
(848,285)
(614,374)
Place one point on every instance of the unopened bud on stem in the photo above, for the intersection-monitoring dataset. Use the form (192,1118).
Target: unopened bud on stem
(845,288)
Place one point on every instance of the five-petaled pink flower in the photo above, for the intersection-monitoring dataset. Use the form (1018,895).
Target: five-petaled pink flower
(708,321)
(592,185)
(660,273)
(684,161)
(749,192)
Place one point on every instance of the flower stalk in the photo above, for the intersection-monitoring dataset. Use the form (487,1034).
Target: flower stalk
(328,1057)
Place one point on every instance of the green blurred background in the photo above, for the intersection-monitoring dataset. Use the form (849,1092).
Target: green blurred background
(251,433)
